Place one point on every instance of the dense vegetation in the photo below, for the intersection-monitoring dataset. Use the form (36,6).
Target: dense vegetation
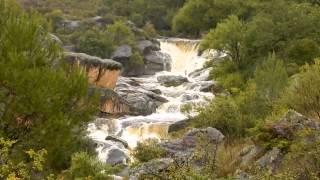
(272,65)
(44,104)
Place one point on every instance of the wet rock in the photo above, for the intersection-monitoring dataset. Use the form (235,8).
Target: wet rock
(201,74)
(156,91)
(189,97)
(117,139)
(271,160)
(122,53)
(178,126)
(172,80)
(152,167)
(142,100)
(142,103)
(70,24)
(116,156)
(146,46)
(156,61)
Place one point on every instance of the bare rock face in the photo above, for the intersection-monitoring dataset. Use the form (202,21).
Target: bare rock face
(102,73)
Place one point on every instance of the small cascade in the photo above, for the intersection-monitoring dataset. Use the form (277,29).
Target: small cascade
(134,129)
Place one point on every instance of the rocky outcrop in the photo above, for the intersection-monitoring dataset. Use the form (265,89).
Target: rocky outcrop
(282,134)
(140,100)
(178,126)
(271,160)
(112,103)
(146,46)
(102,73)
(153,167)
(117,139)
(291,123)
(171,80)
(185,147)
(156,61)
(116,157)
(153,60)
(122,54)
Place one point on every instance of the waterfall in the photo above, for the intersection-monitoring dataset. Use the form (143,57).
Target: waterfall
(134,129)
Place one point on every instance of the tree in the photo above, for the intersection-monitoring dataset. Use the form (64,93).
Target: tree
(198,16)
(228,38)
(45,103)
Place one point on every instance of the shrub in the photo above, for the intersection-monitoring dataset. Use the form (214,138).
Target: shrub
(95,42)
(148,151)
(83,166)
(304,94)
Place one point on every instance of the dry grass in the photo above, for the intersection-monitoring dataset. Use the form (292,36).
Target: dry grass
(228,156)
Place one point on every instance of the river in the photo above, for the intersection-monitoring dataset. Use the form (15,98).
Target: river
(133,129)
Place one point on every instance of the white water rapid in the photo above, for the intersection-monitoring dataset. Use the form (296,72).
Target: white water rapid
(134,129)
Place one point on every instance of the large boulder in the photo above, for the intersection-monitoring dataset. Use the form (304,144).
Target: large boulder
(102,73)
(116,157)
(111,102)
(156,61)
(185,147)
(70,24)
(146,46)
(171,80)
(291,123)
(142,101)
(122,53)
(139,102)
(179,125)
(271,160)
(150,168)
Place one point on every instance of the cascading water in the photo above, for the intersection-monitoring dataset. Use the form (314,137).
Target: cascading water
(133,129)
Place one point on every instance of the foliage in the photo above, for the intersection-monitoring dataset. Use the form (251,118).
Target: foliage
(83,166)
(198,16)
(11,169)
(96,43)
(148,151)
(45,103)
(271,78)
(303,95)
(120,34)
(142,12)
(227,37)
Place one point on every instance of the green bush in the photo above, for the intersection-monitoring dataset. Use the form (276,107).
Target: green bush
(303,95)
(95,42)
(148,150)
(83,166)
